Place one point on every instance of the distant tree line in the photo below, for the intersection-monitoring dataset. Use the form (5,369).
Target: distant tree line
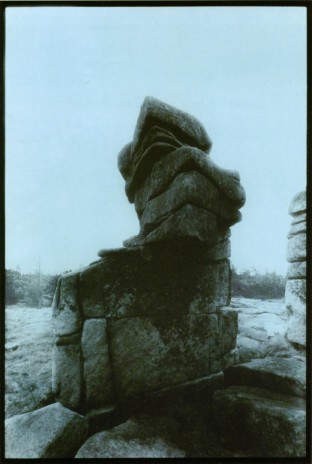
(252,284)
(33,290)
(36,290)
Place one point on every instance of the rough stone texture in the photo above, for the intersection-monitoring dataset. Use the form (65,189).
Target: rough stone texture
(297,270)
(50,432)
(188,221)
(267,424)
(160,351)
(137,438)
(300,227)
(97,374)
(66,318)
(228,327)
(175,279)
(67,375)
(295,300)
(188,158)
(283,375)
(298,203)
(188,188)
(297,248)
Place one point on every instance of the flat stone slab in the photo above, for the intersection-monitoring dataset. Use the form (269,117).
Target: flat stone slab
(155,352)
(188,188)
(50,432)
(283,375)
(171,279)
(264,423)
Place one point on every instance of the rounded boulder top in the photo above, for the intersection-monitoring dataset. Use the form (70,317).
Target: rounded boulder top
(156,112)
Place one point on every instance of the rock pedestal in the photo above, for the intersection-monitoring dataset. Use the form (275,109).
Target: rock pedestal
(295,294)
(154,315)
(129,325)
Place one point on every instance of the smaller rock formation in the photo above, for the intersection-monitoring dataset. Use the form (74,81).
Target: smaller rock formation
(295,294)
(50,432)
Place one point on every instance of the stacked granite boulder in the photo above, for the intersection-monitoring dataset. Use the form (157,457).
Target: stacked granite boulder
(177,189)
(154,315)
(295,294)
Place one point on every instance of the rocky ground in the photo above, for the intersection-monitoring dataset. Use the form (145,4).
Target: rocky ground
(28,348)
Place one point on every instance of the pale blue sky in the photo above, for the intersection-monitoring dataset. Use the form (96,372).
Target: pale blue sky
(75,81)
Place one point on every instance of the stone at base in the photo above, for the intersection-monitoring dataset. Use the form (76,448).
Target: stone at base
(283,375)
(50,432)
(266,424)
(168,400)
(139,437)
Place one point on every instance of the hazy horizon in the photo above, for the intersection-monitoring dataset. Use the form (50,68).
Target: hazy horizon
(75,79)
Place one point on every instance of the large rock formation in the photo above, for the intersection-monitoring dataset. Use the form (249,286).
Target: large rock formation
(154,314)
(295,294)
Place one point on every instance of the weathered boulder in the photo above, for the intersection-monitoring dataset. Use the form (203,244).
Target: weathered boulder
(178,191)
(139,437)
(155,352)
(183,159)
(283,375)
(188,188)
(97,372)
(188,221)
(50,432)
(265,423)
